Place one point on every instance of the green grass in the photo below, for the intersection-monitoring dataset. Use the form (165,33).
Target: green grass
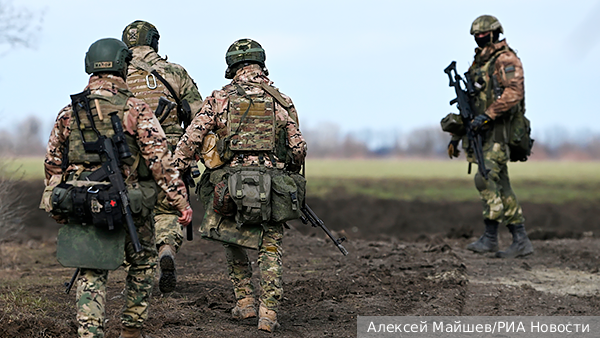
(426,180)
(29,168)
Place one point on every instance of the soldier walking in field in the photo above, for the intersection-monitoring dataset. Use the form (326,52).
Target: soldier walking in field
(496,89)
(106,159)
(248,135)
(172,94)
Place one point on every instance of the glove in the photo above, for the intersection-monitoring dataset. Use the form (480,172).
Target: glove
(453,149)
(480,122)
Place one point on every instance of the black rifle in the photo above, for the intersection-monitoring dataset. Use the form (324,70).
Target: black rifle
(69,284)
(466,112)
(111,151)
(309,216)
(188,179)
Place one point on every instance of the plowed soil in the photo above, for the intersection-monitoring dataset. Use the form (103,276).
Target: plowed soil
(406,258)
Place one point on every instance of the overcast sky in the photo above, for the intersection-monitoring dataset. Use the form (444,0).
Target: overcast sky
(359,64)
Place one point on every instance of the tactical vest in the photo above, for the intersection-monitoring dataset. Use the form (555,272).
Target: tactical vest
(100,107)
(489,89)
(147,87)
(251,126)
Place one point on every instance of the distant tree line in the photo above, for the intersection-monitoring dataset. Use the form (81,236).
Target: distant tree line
(328,141)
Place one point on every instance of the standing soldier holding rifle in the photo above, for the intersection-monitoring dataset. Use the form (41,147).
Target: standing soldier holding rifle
(172,94)
(107,157)
(248,135)
(494,130)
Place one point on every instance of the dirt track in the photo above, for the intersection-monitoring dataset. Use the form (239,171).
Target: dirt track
(406,258)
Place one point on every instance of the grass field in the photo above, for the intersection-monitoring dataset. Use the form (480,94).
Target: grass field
(427,180)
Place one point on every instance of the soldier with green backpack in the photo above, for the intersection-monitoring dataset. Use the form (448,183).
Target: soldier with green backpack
(248,137)
(106,160)
(495,87)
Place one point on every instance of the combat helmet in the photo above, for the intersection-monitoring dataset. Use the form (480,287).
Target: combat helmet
(108,55)
(141,33)
(486,23)
(244,50)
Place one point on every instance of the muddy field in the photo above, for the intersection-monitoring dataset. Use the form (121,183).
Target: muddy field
(406,258)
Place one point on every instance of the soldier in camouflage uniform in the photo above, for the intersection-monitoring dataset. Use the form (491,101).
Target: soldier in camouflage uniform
(65,160)
(220,114)
(151,77)
(497,75)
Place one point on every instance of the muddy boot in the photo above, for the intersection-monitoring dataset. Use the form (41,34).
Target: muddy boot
(521,246)
(166,260)
(488,242)
(244,308)
(131,332)
(267,319)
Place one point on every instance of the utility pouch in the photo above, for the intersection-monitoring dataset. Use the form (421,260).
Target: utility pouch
(142,197)
(453,124)
(209,152)
(285,200)
(61,201)
(519,138)
(250,189)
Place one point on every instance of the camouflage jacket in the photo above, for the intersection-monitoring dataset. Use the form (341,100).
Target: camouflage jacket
(149,89)
(214,113)
(508,71)
(138,121)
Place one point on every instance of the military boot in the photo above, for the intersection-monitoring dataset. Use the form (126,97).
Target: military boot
(521,245)
(132,332)
(244,308)
(267,320)
(166,260)
(488,242)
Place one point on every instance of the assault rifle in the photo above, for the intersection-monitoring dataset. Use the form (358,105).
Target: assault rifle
(309,216)
(111,150)
(466,112)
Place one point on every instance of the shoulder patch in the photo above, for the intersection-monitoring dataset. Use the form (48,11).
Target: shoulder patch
(509,69)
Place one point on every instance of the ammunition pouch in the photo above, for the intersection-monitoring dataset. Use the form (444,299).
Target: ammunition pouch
(250,189)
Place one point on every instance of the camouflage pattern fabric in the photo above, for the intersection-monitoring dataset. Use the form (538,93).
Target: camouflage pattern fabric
(140,122)
(508,69)
(214,114)
(269,263)
(91,286)
(499,201)
(175,75)
(168,231)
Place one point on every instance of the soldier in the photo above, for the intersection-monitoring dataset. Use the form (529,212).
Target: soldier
(151,77)
(72,161)
(497,75)
(258,151)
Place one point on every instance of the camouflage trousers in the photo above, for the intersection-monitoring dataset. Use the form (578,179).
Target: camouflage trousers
(269,263)
(91,286)
(499,201)
(168,230)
